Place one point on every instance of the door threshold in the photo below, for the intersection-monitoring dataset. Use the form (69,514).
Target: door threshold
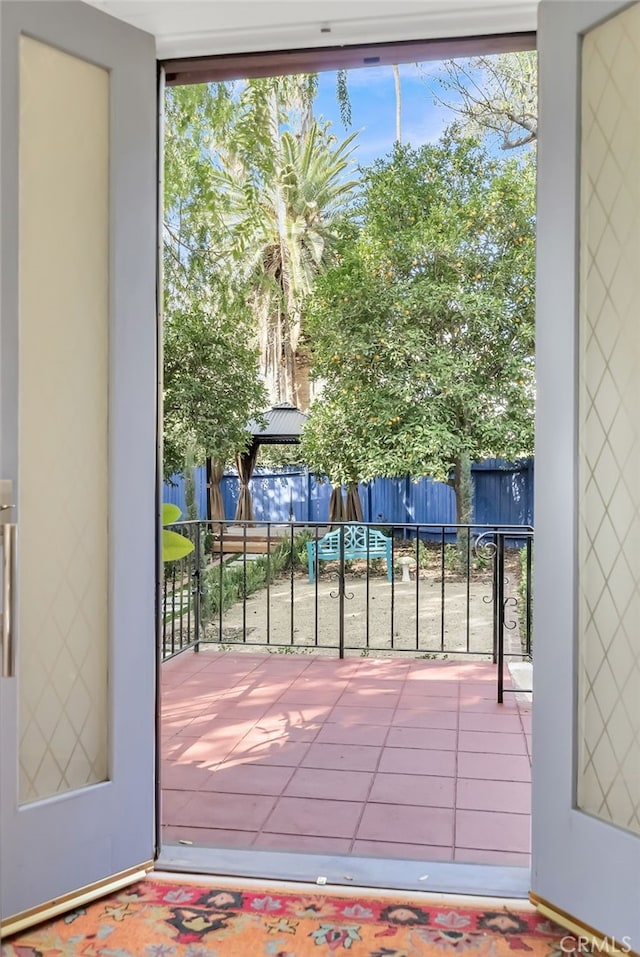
(477,880)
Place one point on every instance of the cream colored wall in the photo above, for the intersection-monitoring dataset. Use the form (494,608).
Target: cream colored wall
(609,521)
(63,571)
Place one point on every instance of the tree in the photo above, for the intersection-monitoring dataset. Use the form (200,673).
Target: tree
(211,383)
(495,95)
(283,183)
(398,88)
(423,327)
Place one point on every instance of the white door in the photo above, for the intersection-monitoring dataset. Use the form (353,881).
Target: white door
(586,722)
(78,442)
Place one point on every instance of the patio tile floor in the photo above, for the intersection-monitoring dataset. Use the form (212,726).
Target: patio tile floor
(372,757)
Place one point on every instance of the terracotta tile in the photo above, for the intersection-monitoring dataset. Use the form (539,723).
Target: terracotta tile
(417,761)
(293,714)
(480,689)
(314,817)
(216,729)
(413,852)
(479,795)
(307,732)
(414,718)
(349,757)
(423,687)
(184,777)
(418,789)
(251,718)
(369,699)
(435,739)
(240,713)
(466,855)
(411,699)
(492,742)
(246,812)
(406,825)
(172,804)
(370,687)
(303,842)
(228,663)
(493,831)
(494,767)
(368,716)
(328,783)
(207,753)
(250,779)
(172,748)
(358,734)
(508,722)
(281,753)
(208,837)
(475,705)
(421,717)
(308,696)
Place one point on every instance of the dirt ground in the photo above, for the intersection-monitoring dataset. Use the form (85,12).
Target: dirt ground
(405,616)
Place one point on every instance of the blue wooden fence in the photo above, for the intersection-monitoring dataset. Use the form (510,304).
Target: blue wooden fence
(503,495)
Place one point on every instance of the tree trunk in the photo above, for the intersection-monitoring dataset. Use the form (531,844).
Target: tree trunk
(396,77)
(353,505)
(302,381)
(463,489)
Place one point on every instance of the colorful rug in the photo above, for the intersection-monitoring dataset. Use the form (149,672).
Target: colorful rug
(160,919)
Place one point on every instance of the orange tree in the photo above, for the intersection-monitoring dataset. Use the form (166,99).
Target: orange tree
(422,329)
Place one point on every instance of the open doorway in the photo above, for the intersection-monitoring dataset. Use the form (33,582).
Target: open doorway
(383,752)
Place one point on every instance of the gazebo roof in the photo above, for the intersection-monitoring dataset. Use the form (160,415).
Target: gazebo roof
(284,424)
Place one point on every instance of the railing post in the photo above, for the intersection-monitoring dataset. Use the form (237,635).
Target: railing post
(341,596)
(495,599)
(500,610)
(529,572)
(197,609)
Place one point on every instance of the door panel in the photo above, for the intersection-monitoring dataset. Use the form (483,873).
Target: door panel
(586,769)
(78,373)
(63,404)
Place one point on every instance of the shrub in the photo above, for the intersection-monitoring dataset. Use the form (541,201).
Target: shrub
(225,586)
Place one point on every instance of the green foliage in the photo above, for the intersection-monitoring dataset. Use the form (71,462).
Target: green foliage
(344,100)
(277,456)
(423,328)
(522,595)
(174,545)
(225,586)
(211,385)
(253,186)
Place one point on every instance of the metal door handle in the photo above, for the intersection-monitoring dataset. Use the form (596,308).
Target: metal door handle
(7,626)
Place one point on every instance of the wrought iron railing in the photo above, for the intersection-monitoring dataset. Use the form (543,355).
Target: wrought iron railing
(455,591)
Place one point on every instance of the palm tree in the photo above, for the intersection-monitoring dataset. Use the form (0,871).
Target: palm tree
(281,186)
(396,78)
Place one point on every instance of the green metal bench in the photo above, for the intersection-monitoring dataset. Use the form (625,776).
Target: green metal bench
(359,542)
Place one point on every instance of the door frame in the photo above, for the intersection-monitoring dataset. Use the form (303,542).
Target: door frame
(450,877)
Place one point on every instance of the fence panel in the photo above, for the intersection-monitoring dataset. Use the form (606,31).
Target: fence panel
(503,494)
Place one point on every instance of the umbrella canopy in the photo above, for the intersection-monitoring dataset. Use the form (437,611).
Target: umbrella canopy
(283,426)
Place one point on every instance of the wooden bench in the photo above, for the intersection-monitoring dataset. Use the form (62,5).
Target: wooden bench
(359,542)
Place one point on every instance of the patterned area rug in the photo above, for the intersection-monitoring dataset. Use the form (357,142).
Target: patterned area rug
(160,919)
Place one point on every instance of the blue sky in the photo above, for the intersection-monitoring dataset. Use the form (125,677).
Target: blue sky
(373,107)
